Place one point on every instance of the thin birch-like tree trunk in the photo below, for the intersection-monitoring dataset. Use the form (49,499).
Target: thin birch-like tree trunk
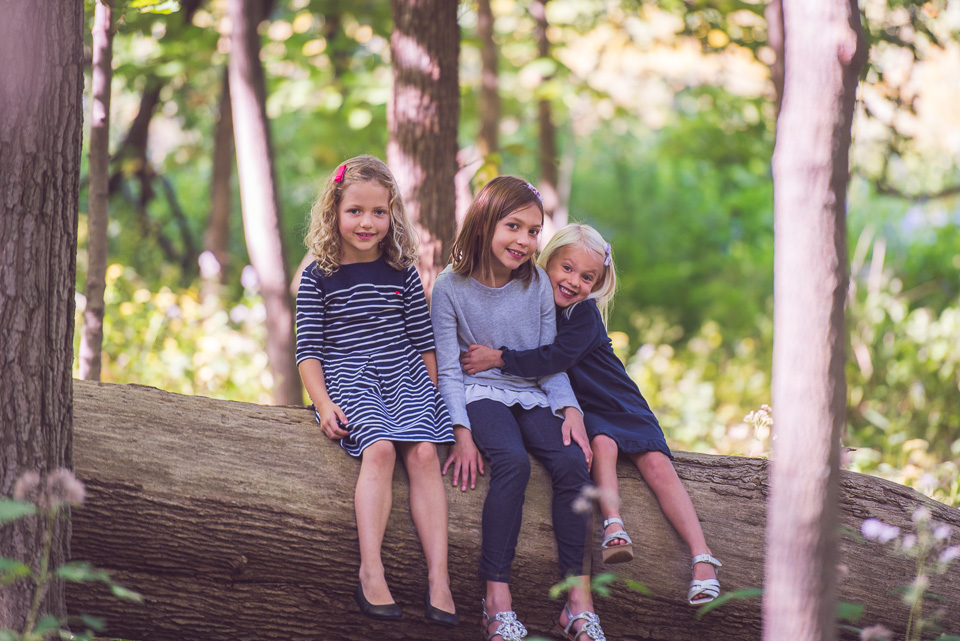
(548,131)
(259,197)
(91,338)
(824,50)
(216,240)
(488,142)
(41,114)
(422,117)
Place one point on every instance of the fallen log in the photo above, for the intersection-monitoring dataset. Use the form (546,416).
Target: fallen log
(235,521)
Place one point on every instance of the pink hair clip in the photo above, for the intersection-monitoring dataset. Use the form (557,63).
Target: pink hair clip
(606,258)
(340,171)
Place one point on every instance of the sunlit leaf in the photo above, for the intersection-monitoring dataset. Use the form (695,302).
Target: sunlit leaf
(81,571)
(123,593)
(12,570)
(637,586)
(736,595)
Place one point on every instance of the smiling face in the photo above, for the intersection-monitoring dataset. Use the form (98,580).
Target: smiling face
(364,220)
(514,241)
(574,271)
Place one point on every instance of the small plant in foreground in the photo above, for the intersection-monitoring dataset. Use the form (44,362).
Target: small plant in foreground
(49,501)
(929,547)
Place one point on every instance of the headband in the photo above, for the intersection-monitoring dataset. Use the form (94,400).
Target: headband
(606,251)
(340,171)
(535,192)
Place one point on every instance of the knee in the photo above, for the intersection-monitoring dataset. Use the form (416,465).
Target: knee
(655,466)
(380,453)
(604,446)
(422,455)
(512,465)
(570,469)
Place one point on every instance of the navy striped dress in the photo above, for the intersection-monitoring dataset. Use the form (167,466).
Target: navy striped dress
(367,324)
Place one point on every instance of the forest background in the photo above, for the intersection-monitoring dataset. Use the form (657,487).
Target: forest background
(663,117)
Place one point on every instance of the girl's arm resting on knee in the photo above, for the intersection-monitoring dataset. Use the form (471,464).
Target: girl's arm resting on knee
(574,430)
(465,458)
(311,372)
(430,361)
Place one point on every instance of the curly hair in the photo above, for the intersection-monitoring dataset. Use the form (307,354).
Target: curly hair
(323,236)
(498,199)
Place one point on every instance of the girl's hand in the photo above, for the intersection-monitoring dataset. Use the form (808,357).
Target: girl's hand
(465,458)
(573,429)
(331,420)
(480,357)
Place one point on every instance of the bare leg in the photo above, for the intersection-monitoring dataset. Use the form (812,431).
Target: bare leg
(498,599)
(604,472)
(372,501)
(657,470)
(428,505)
(579,600)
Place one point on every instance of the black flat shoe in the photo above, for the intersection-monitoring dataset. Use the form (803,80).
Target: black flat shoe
(438,616)
(388,612)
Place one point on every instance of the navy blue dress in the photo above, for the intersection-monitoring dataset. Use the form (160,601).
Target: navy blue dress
(368,324)
(612,403)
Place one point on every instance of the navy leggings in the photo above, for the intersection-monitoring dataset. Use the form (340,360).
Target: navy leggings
(505,435)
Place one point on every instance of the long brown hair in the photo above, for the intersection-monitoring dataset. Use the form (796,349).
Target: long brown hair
(323,237)
(499,198)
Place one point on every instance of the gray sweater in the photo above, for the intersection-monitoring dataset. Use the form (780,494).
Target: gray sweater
(515,316)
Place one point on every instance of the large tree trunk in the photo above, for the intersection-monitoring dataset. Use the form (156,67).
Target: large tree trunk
(91,339)
(259,198)
(236,522)
(422,118)
(41,86)
(824,50)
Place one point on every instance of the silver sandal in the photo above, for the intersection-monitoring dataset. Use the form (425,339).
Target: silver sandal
(616,553)
(591,625)
(708,588)
(510,628)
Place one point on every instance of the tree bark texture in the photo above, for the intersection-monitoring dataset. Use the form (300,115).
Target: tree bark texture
(824,50)
(236,522)
(91,338)
(259,197)
(41,86)
(488,142)
(217,237)
(422,117)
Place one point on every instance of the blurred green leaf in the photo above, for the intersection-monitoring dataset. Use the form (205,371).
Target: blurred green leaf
(82,571)
(850,612)
(47,624)
(12,570)
(736,595)
(12,510)
(123,593)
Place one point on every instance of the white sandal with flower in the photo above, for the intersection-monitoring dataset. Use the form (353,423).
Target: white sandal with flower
(591,625)
(708,589)
(510,628)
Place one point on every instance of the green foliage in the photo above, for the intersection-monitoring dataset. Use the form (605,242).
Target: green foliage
(50,502)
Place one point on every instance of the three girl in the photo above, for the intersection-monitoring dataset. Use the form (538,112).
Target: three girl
(617,417)
(365,351)
(493,294)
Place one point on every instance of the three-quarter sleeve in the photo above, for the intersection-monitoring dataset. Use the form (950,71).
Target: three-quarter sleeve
(449,374)
(556,386)
(576,337)
(310,306)
(416,313)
